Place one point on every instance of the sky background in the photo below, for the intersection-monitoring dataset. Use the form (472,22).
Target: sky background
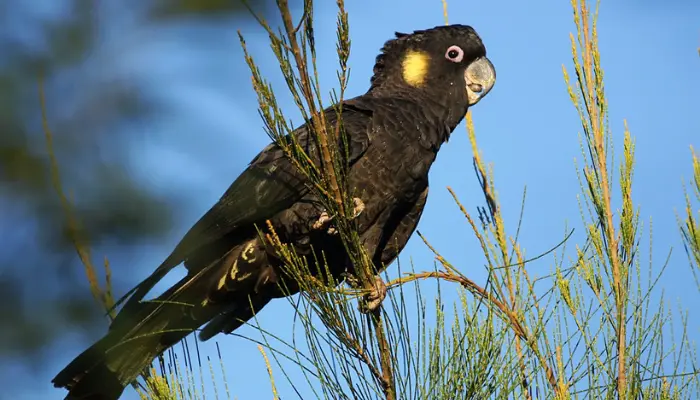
(208,130)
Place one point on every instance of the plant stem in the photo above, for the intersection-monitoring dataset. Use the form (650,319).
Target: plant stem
(318,118)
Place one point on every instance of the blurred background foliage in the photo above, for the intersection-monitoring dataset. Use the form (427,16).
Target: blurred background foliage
(107,102)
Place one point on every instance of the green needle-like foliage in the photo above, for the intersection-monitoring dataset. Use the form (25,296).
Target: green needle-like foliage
(588,330)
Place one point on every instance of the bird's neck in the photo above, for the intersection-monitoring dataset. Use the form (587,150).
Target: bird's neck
(442,110)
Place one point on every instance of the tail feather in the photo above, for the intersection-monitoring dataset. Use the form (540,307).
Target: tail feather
(103,370)
(233,319)
(86,371)
(218,293)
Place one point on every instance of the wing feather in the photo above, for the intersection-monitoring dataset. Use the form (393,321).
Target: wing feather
(270,184)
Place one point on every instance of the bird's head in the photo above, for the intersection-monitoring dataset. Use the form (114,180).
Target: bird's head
(447,62)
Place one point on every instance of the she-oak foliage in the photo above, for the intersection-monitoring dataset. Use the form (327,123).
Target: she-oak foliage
(588,330)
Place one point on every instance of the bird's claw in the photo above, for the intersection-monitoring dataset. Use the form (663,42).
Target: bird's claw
(358,207)
(372,300)
(324,220)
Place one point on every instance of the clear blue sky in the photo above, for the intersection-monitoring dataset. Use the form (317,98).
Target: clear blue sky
(526,127)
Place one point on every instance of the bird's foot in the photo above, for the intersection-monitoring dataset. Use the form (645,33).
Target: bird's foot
(372,300)
(324,220)
(358,207)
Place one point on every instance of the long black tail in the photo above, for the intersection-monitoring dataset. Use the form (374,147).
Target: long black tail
(103,370)
(218,293)
(144,331)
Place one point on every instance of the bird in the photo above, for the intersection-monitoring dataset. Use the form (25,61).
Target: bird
(422,85)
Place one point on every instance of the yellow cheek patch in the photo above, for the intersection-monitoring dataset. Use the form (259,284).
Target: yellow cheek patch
(415,67)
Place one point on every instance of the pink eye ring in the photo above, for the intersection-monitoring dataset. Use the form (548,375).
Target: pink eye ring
(454,54)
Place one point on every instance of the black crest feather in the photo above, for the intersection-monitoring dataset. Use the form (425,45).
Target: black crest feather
(392,47)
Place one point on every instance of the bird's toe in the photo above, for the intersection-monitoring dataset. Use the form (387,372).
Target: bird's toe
(358,207)
(374,299)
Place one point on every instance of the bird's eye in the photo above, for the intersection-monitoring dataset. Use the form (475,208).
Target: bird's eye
(454,54)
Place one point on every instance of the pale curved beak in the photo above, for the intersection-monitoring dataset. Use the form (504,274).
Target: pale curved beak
(479,77)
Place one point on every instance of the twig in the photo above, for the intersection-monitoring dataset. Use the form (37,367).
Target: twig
(330,174)
(318,118)
(275,395)
(470,285)
(103,297)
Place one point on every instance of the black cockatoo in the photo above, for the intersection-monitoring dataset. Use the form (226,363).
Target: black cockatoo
(422,86)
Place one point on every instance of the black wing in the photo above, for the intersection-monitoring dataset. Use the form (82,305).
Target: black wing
(270,184)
